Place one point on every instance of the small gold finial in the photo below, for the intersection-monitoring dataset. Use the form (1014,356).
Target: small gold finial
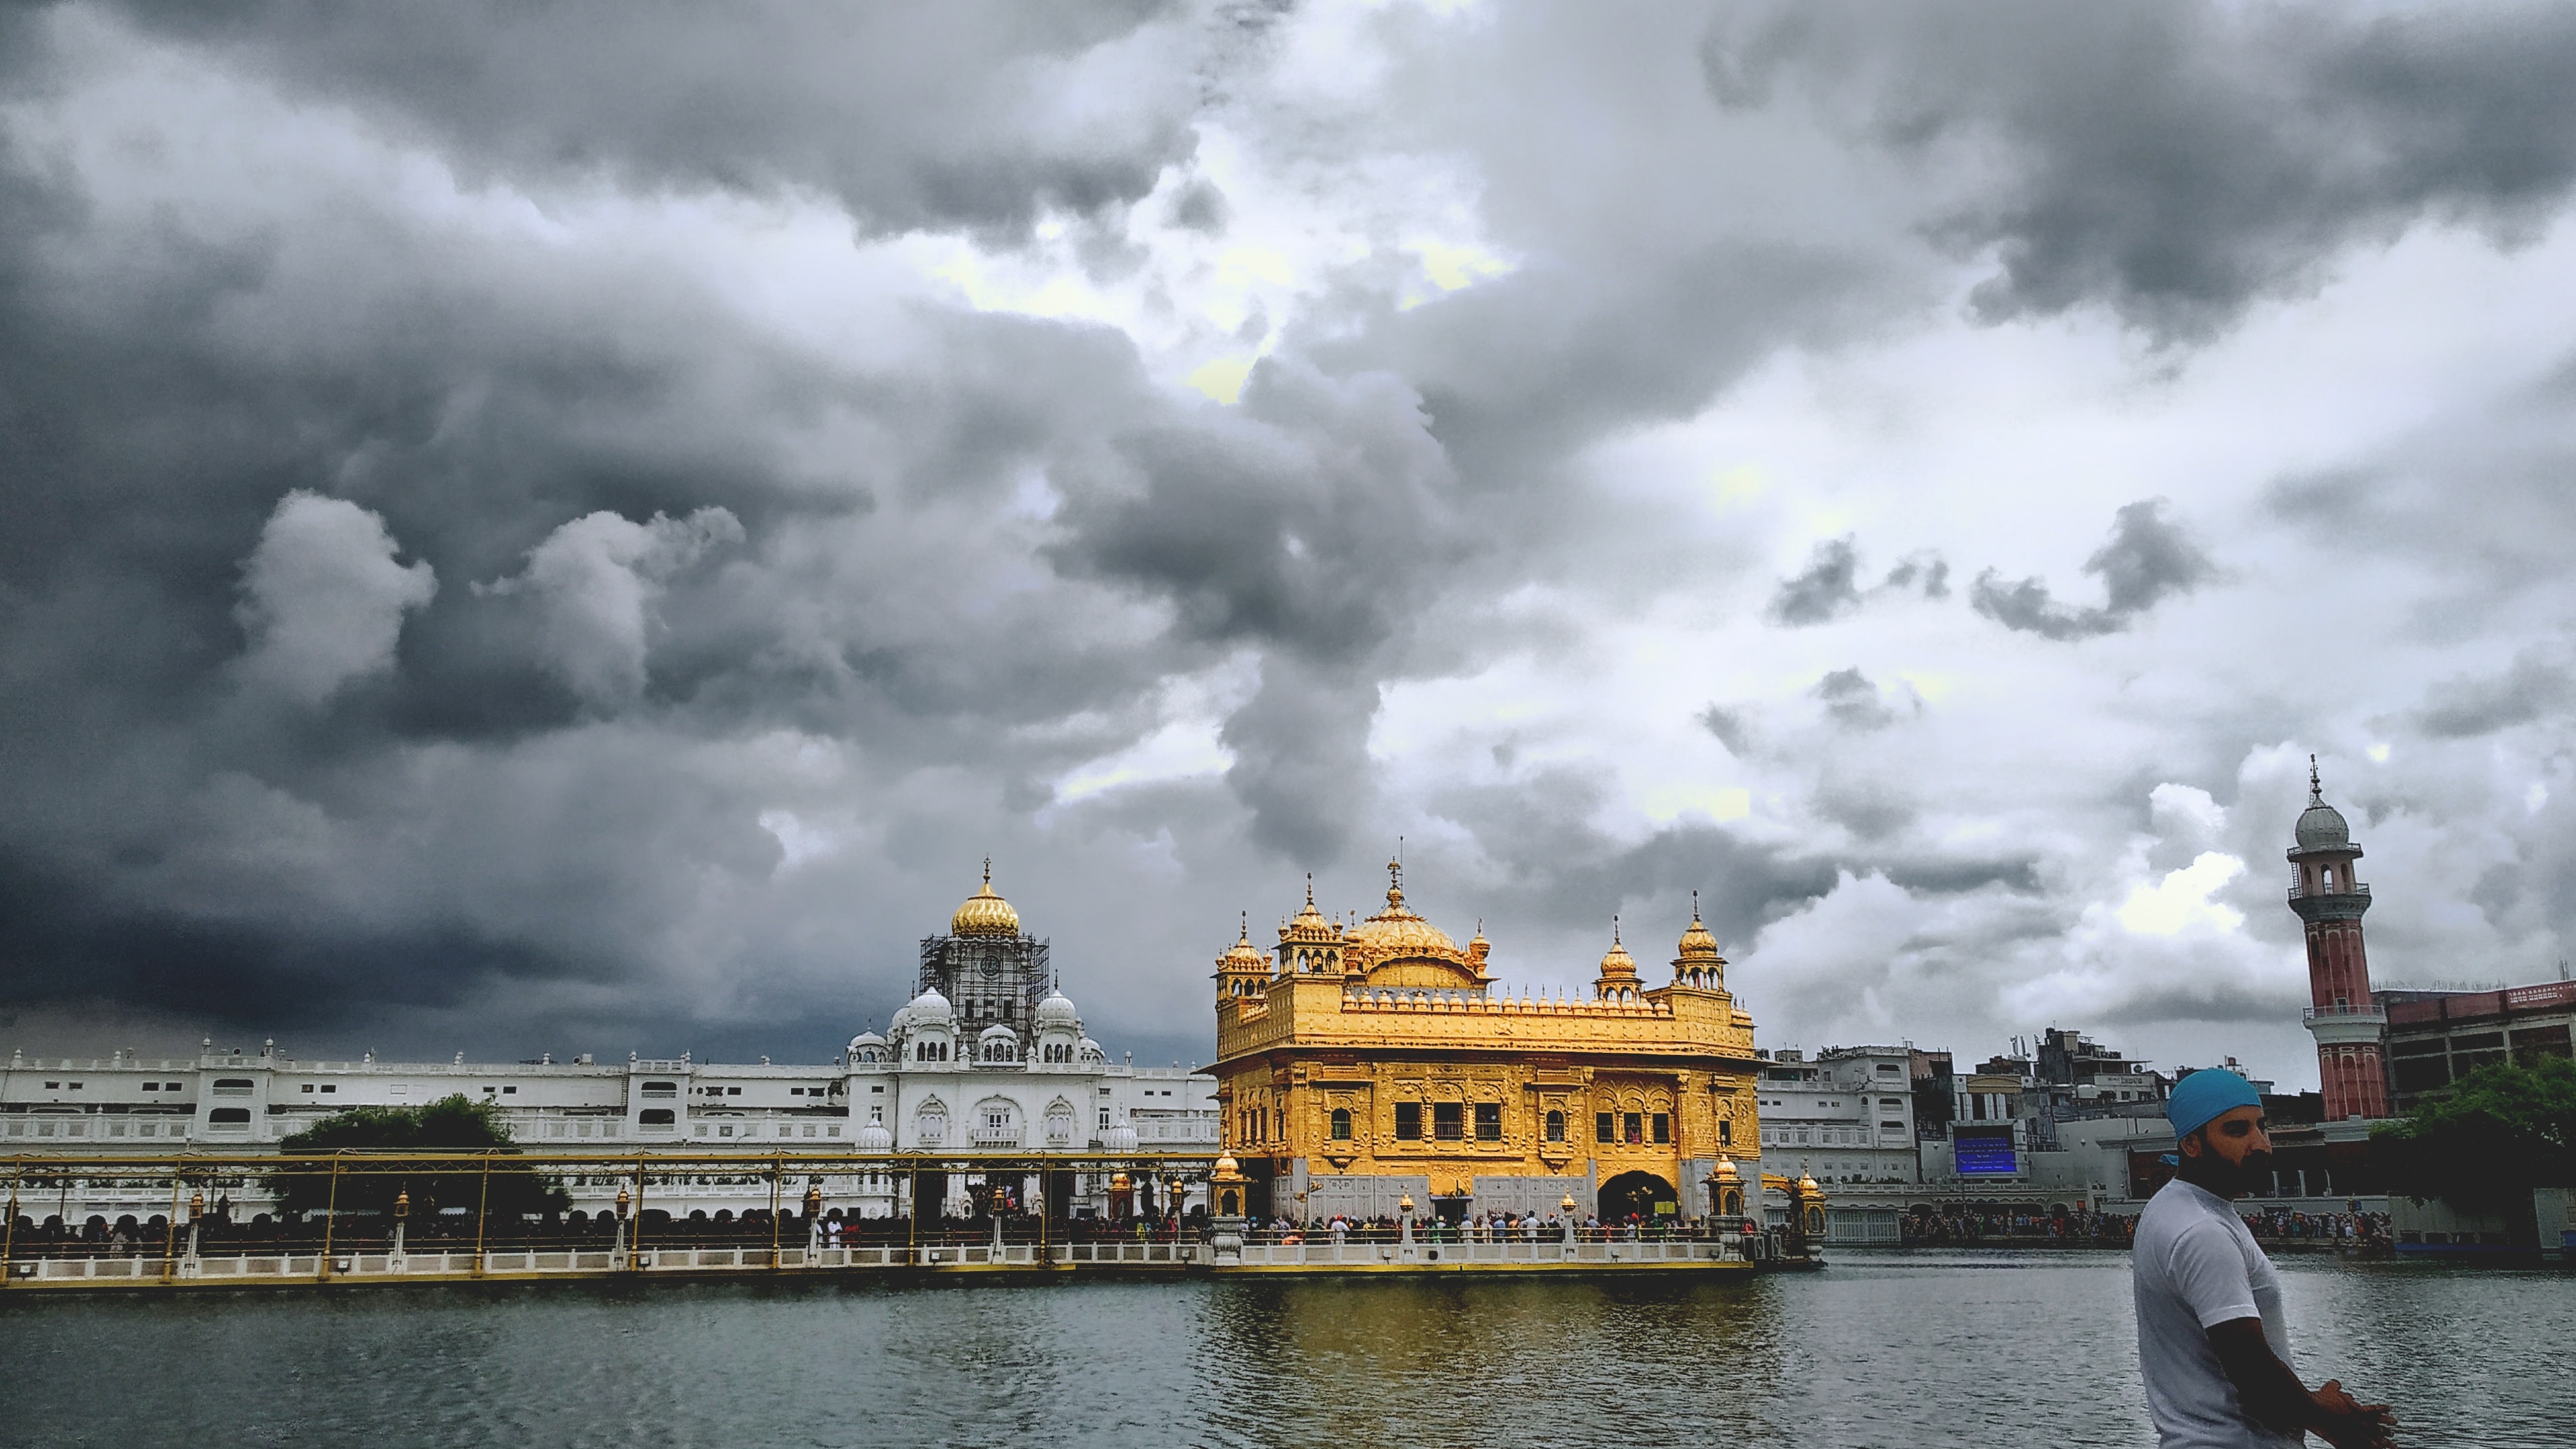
(1310,890)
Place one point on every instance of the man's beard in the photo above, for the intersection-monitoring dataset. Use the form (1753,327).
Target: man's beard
(2251,1176)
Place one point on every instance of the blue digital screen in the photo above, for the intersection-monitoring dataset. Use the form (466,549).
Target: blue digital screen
(1986,1152)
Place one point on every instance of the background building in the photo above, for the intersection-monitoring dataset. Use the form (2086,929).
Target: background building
(940,1080)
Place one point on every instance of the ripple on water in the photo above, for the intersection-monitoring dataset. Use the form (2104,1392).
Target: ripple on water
(1881,1350)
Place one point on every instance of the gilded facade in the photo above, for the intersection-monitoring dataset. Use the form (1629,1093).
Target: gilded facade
(1359,1063)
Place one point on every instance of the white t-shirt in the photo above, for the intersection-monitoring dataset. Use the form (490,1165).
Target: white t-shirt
(2195,1266)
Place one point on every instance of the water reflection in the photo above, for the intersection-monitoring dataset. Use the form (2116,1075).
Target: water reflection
(1998,1348)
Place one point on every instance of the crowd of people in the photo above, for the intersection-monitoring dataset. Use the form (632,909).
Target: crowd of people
(2358,1231)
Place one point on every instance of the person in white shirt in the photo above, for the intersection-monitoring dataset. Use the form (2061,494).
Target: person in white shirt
(2213,1344)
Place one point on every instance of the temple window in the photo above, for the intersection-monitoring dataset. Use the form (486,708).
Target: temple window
(1341,1124)
(1556,1126)
(1489,1121)
(1408,1121)
(1663,1127)
(1448,1121)
(1725,1132)
(1633,1128)
(1602,1128)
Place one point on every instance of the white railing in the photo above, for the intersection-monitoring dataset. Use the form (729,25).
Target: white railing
(375,1264)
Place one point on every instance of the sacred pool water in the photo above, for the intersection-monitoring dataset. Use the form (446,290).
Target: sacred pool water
(1882,1349)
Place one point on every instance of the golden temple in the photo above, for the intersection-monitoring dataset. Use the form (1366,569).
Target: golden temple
(1359,1064)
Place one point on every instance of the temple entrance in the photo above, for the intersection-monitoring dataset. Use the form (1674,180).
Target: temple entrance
(1639,1194)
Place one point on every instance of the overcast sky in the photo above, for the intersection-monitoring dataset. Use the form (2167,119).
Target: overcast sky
(576,527)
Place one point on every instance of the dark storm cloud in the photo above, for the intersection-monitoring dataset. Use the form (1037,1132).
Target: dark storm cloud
(977,114)
(427,617)
(1830,586)
(2177,163)
(1928,572)
(1730,726)
(1852,701)
(2534,688)
(1556,866)
(1827,587)
(2148,559)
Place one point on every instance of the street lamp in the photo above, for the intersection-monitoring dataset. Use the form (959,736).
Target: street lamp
(196,1215)
(1404,1223)
(623,1203)
(1566,1206)
(402,1213)
(813,1217)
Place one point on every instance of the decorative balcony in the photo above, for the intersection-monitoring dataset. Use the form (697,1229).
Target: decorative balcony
(994,1137)
(2300,891)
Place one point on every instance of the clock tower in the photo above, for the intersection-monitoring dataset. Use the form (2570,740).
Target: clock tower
(2348,1024)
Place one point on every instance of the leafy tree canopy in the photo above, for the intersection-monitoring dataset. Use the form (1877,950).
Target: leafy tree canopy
(450,1124)
(2493,1136)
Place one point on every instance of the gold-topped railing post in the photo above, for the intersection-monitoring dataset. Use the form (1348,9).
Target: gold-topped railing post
(482,1212)
(330,1220)
(170,1237)
(9,1232)
(635,1239)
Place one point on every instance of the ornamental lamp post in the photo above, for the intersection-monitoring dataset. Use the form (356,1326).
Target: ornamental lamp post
(1404,1223)
(196,1216)
(1566,1206)
(813,1217)
(402,1213)
(623,1203)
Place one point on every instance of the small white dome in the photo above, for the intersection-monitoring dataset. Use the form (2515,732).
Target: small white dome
(997,1032)
(1118,1139)
(1057,1011)
(1091,1051)
(865,1039)
(875,1138)
(930,1009)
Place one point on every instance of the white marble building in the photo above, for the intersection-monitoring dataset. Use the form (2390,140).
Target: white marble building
(925,1086)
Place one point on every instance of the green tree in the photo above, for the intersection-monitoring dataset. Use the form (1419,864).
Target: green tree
(2489,1139)
(471,1130)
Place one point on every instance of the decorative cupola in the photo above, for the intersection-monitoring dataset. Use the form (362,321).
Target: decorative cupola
(1309,945)
(1242,970)
(1618,978)
(1478,948)
(1699,965)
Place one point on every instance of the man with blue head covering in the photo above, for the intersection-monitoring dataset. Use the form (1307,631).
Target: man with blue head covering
(2213,1345)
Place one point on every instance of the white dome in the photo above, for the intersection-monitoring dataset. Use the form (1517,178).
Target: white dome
(997,1032)
(1118,1139)
(866,1039)
(875,1138)
(1091,1051)
(930,1009)
(1057,1011)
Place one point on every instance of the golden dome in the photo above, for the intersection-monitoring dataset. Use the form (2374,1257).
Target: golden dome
(1243,955)
(1310,925)
(985,913)
(1396,933)
(1616,963)
(1697,943)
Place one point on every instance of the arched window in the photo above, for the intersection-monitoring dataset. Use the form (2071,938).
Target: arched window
(1341,1124)
(1555,1126)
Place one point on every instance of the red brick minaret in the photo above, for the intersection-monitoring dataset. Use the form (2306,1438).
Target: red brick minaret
(2349,1026)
